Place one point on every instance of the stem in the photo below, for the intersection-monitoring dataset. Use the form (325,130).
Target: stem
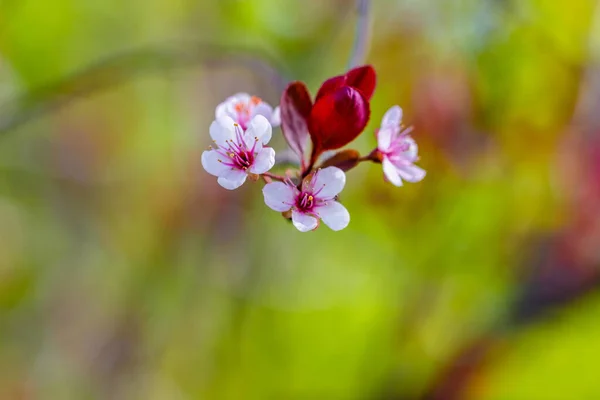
(268,175)
(361,38)
(313,159)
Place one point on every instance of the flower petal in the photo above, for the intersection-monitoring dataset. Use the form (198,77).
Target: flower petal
(279,196)
(413,149)
(233,179)
(259,128)
(411,173)
(276,117)
(392,118)
(222,129)
(226,108)
(384,138)
(364,79)
(390,172)
(211,163)
(264,161)
(263,109)
(328,182)
(304,222)
(222,110)
(334,215)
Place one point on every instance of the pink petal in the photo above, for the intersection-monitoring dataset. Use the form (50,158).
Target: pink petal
(304,222)
(259,128)
(222,129)
(210,162)
(264,161)
(413,149)
(384,138)
(392,118)
(222,110)
(411,173)
(390,172)
(279,196)
(227,108)
(334,215)
(328,182)
(276,117)
(263,109)
(232,179)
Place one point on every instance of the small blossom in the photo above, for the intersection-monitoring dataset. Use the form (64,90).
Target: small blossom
(242,108)
(397,150)
(237,152)
(316,200)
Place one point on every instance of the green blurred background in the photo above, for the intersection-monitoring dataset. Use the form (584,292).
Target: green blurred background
(126,272)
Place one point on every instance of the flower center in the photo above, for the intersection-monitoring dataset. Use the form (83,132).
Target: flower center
(242,159)
(400,145)
(236,153)
(244,110)
(305,202)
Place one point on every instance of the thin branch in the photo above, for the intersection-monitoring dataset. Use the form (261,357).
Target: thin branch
(362,35)
(273,176)
(588,100)
(121,67)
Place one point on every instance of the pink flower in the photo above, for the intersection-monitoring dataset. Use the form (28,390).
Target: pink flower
(238,153)
(398,151)
(316,200)
(242,107)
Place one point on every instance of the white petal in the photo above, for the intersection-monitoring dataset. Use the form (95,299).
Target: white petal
(411,173)
(334,215)
(384,138)
(263,109)
(304,222)
(392,118)
(413,149)
(328,182)
(390,172)
(210,162)
(279,196)
(232,179)
(264,161)
(222,110)
(276,117)
(241,97)
(259,128)
(222,129)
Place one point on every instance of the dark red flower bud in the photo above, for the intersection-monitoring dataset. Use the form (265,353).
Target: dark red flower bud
(338,118)
(331,85)
(361,78)
(340,112)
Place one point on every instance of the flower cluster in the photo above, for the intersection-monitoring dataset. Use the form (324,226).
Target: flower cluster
(339,113)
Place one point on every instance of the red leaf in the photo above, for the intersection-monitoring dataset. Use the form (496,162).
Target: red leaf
(295,109)
(364,79)
(337,119)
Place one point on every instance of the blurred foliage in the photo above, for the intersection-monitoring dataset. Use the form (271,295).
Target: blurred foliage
(126,272)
